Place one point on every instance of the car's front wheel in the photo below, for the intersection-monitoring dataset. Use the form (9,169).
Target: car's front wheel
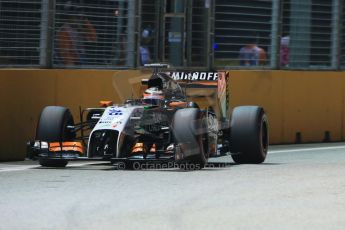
(191,138)
(53,127)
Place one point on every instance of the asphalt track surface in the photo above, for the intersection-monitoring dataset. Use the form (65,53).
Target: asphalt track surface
(298,187)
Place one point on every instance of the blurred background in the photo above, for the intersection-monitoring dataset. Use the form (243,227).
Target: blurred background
(205,34)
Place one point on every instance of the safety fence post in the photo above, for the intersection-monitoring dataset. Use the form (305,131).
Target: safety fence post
(47,30)
(275,32)
(336,33)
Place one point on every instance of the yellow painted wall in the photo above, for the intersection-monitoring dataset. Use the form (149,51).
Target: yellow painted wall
(24,93)
(306,102)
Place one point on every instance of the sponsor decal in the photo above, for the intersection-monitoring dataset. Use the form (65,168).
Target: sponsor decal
(116,123)
(194,76)
(115,112)
(102,125)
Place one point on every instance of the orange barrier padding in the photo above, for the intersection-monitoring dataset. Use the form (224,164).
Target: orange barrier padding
(307,102)
(66,146)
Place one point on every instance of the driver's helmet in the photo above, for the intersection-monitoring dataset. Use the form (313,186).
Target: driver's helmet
(153,96)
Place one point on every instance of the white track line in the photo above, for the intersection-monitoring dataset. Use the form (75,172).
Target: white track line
(10,168)
(307,149)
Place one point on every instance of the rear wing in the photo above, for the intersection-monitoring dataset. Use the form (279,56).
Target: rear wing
(187,78)
(195,79)
(204,81)
(208,89)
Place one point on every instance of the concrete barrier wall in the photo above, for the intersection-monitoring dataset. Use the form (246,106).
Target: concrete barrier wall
(309,103)
(24,93)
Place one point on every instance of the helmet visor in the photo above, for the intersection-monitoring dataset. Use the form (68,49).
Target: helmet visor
(152,101)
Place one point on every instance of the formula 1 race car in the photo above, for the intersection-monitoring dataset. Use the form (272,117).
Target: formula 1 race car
(162,127)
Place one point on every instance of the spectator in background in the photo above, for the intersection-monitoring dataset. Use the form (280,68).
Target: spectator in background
(284,51)
(72,35)
(145,55)
(252,55)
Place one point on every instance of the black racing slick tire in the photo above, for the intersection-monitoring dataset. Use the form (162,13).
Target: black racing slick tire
(190,135)
(249,135)
(52,127)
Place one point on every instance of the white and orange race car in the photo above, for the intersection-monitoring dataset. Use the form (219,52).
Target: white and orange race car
(162,127)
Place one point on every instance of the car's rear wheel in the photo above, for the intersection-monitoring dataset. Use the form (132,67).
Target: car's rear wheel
(249,135)
(191,138)
(53,127)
